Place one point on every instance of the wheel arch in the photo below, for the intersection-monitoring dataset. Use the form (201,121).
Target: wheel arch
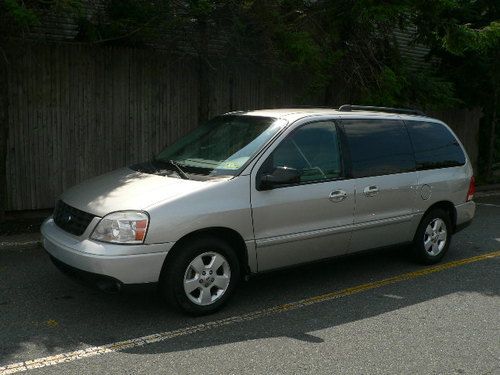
(446,206)
(232,237)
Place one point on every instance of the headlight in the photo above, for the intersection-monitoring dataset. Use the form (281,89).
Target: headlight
(126,227)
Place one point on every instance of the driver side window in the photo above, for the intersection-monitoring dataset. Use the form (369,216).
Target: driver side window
(312,150)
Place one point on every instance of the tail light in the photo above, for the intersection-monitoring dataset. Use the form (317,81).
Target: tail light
(472,189)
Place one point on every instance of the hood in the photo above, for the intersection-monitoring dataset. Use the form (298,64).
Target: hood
(126,189)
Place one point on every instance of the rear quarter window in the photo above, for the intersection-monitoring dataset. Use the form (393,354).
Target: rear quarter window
(434,145)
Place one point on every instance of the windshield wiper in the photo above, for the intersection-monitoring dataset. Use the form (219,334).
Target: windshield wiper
(177,167)
(183,174)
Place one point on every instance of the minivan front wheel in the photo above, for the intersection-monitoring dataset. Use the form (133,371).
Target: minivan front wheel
(433,237)
(207,278)
(201,276)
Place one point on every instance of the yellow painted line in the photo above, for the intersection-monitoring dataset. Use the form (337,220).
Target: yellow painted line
(158,337)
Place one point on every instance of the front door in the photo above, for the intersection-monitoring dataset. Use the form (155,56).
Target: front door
(310,219)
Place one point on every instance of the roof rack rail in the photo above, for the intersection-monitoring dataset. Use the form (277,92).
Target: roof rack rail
(307,106)
(234,112)
(350,107)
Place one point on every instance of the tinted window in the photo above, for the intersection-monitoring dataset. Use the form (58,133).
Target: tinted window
(378,147)
(434,145)
(312,150)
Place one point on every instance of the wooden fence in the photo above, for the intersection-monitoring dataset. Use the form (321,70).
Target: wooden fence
(77,111)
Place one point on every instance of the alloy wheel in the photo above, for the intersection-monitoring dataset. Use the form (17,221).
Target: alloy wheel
(207,278)
(435,236)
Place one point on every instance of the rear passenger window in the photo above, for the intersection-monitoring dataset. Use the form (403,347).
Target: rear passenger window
(378,147)
(434,145)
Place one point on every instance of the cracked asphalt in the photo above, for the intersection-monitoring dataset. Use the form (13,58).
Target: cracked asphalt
(444,322)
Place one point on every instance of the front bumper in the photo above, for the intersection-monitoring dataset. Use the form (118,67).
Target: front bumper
(129,264)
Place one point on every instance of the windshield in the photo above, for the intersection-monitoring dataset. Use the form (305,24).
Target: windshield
(221,146)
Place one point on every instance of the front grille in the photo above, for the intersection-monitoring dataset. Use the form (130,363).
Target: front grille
(71,219)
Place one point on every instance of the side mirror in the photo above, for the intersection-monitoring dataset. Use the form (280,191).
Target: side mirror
(280,176)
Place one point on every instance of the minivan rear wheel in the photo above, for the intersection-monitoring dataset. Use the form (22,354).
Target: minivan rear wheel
(200,276)
(433,237)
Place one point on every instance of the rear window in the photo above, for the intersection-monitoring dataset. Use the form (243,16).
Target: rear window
(434,145)
(378,147)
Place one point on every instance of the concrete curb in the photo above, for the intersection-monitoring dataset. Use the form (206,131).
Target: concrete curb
(486,193)
(488,188)
(20,240)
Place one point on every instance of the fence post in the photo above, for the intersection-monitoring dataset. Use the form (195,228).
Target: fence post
(492,141)
(4,127)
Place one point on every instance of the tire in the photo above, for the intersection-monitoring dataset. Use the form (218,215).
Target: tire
(183,272)
(433,237)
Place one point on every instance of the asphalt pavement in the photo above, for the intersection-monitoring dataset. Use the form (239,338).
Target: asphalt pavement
(374,313)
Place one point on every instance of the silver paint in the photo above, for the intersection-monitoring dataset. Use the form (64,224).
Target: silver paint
(279,227)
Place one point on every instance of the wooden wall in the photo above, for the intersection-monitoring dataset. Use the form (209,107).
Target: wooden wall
(77,111)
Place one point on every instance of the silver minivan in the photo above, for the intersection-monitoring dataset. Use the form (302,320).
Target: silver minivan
(254,191)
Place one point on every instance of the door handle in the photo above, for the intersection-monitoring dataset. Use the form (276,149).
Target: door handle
(337,196)
(370,191)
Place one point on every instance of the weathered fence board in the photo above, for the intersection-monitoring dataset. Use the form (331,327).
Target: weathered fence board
(77,111)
